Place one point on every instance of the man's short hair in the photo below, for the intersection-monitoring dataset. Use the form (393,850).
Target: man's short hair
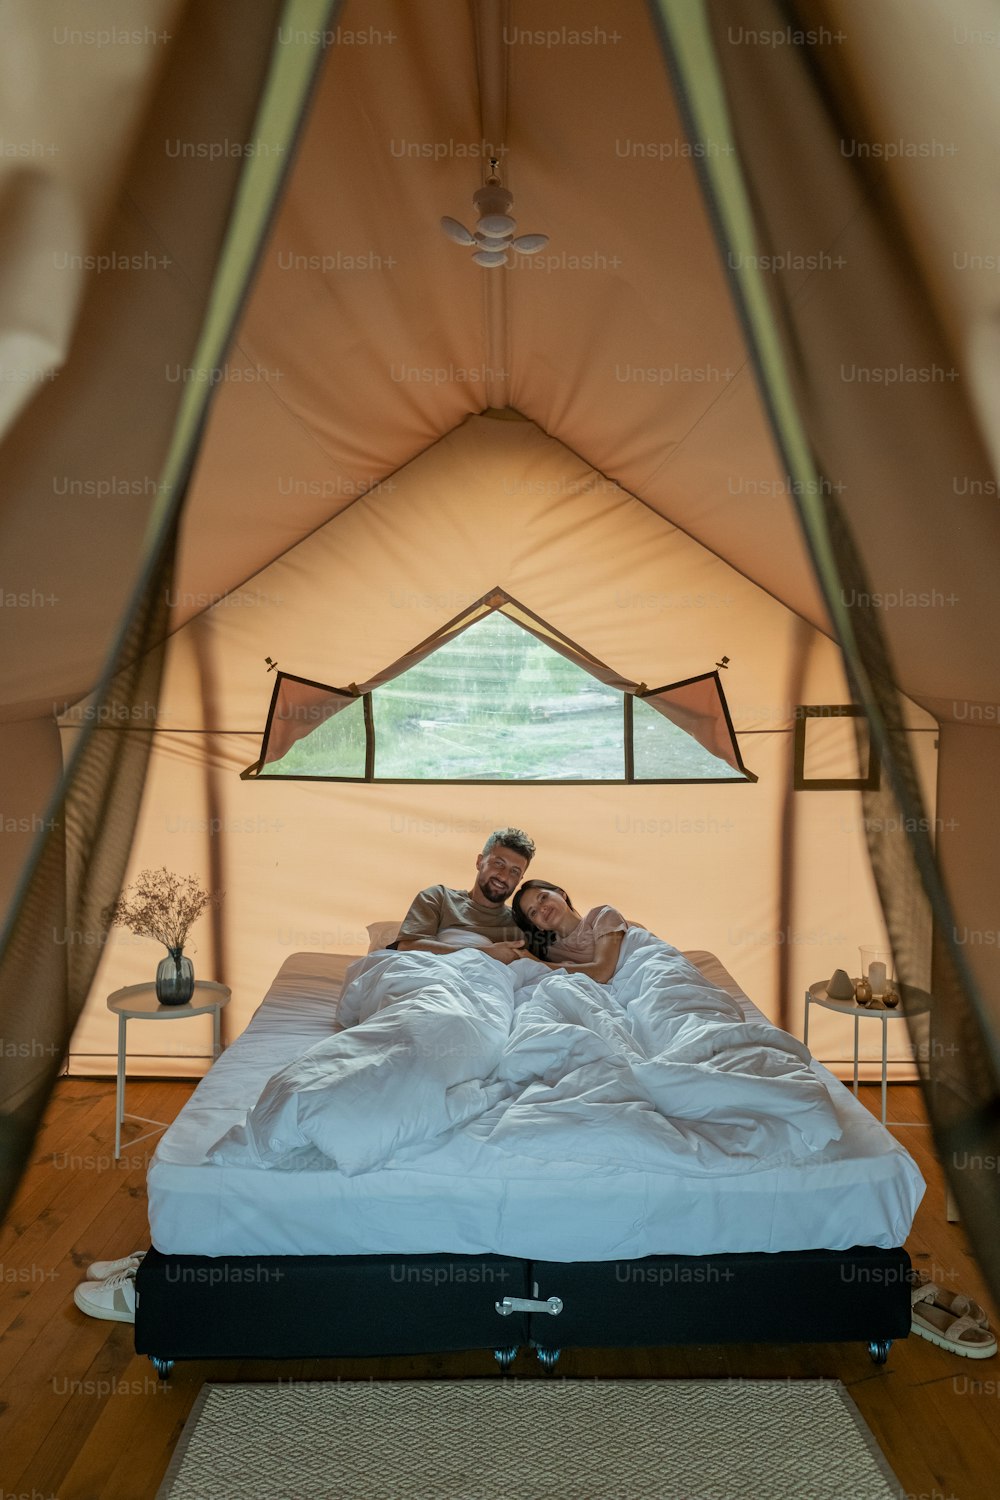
(512,838)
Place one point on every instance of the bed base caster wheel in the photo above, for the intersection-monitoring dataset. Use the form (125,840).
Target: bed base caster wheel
(548,1357)
(506,1357)
(879,1350)
(162,1367)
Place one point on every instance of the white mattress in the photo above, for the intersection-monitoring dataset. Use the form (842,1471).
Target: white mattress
(862,1190)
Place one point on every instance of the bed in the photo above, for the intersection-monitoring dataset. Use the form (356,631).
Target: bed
(431,1254)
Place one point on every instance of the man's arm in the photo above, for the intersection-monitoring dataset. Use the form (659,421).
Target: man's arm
(422,924)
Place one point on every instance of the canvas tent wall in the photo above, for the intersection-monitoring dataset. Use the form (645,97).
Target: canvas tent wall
(310,864)
(625,350)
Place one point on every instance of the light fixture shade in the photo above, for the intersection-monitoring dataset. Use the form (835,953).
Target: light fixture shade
(529,244)
(497,225)
(496,229)
(493,199)
(457,232)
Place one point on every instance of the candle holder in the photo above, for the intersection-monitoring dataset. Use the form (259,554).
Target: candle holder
(877,968)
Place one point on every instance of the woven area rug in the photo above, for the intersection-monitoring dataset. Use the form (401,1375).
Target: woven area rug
(539,1439)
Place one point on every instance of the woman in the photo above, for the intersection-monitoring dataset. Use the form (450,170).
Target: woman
(561,939)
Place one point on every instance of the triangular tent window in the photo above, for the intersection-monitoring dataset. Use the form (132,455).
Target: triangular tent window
(498,695)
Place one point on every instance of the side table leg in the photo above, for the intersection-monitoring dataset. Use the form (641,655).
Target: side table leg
(856,1024)
(805,1029)
(120,1087)
(217,1032)
(885,1064)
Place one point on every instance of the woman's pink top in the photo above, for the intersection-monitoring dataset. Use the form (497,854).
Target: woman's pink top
(578,946)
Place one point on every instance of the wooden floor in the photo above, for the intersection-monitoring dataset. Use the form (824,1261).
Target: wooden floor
(82,1417)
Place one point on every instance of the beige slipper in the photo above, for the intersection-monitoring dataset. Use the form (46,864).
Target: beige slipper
(955,1303)
(962,1335)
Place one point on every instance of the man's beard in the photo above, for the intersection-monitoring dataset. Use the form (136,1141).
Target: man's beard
(496,900)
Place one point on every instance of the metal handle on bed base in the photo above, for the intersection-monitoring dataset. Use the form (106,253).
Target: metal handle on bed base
(510,1305)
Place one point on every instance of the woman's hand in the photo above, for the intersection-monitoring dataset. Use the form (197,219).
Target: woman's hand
(602,966)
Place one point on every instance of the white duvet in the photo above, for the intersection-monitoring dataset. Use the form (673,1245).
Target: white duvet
(656,1070)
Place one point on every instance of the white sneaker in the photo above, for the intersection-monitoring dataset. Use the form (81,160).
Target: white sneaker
(102,1269)
(113,1298)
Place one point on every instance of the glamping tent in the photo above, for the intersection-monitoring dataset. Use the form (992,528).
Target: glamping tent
(733,426)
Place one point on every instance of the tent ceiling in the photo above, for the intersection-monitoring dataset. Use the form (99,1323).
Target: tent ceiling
(369,336)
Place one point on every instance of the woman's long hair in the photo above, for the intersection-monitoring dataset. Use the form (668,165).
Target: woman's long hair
(539,941)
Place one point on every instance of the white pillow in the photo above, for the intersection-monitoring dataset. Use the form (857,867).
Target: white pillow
(463,937)
(381,934)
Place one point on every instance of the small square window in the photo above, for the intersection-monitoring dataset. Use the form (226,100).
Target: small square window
(830,754)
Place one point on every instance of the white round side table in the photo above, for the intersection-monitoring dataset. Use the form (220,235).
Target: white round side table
(816,995)
(138,1002)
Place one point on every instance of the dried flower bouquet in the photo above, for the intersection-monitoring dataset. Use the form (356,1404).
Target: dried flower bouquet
(161,905)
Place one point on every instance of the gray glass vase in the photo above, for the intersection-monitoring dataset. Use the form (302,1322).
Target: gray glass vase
(174,978)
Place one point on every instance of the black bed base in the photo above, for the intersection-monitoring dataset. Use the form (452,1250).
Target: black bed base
(312,1306)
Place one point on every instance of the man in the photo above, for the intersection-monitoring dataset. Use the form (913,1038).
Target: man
(440,919)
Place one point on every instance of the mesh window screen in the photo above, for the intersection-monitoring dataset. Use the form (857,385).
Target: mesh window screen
(662,750)
(55,928)
(497,704)
(336,746)
(494,701)
(867,457)
(51,950)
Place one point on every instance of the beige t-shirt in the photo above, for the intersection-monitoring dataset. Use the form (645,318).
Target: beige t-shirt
(579,946)
(438,911)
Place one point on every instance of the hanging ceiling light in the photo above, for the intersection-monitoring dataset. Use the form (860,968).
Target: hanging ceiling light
(494,234)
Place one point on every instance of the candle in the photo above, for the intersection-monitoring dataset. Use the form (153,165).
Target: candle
(876,978)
